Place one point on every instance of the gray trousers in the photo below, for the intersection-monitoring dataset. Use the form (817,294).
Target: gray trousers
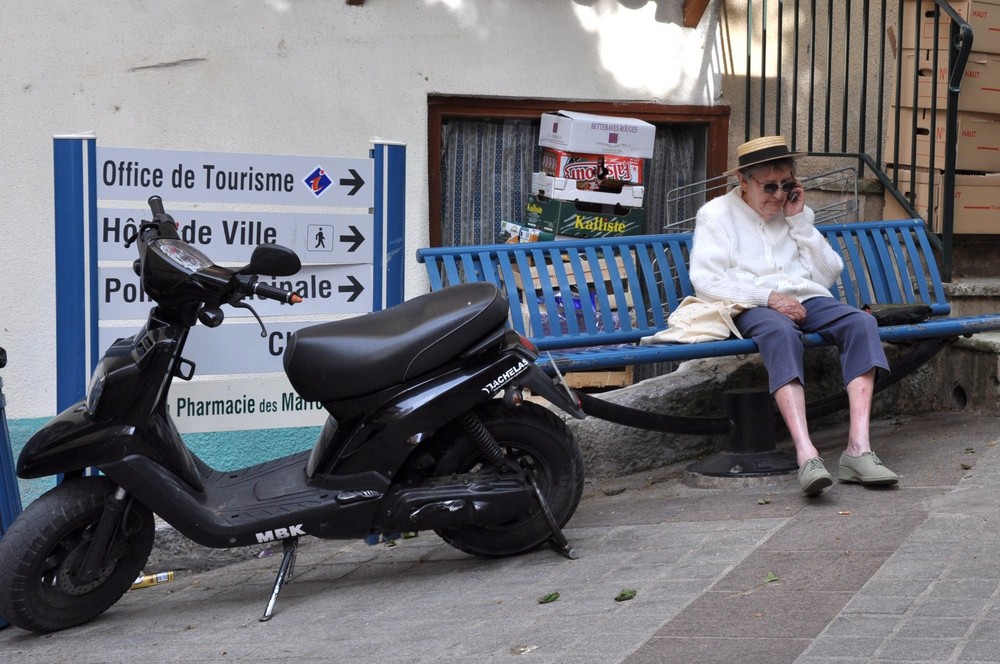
(779,340)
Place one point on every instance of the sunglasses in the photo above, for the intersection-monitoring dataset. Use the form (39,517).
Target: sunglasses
(771,188)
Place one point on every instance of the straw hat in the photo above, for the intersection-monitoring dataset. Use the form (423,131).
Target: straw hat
(760,150)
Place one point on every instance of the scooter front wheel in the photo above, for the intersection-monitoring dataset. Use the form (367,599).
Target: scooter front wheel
(41,554)
(537,441)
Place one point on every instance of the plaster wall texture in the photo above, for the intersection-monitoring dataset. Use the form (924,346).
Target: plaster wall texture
(313,77)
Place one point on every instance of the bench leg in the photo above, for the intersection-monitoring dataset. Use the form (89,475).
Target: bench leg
(751,451)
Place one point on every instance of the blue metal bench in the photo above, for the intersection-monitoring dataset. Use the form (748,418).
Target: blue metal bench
(886,262)
(618,290)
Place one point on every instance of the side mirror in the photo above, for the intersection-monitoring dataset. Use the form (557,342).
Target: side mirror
(272,260)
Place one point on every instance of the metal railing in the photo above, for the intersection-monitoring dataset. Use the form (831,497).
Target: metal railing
(847,75)
(681,213)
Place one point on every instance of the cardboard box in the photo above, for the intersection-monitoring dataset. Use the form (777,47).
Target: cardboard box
(571,131)
(980,83)
(599,380)
(580,190)
(977,205)
(583,219)
(892,209)
(983,16)
(580,166)
(978,139)
(977,201)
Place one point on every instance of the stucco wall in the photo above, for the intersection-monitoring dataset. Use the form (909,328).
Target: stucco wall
(288,77)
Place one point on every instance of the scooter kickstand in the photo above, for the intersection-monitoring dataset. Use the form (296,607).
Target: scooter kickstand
(288,548)
(558,541)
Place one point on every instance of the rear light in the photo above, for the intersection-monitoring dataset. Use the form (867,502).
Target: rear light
(527,343)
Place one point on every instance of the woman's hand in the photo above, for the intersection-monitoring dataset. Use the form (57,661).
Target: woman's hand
(787,306)
(795,200)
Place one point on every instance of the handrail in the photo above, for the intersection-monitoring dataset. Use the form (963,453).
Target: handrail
(958,57)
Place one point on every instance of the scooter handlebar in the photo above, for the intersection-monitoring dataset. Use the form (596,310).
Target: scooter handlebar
(156,205)
(269,292)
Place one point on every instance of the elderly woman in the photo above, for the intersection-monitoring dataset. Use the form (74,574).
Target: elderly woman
(757,246)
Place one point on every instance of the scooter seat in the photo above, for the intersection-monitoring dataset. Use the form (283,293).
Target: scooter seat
(357,356)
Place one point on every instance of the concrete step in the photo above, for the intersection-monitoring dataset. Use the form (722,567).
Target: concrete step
(971,296)
(984,342)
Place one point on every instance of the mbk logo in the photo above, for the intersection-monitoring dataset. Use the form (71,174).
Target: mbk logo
(280,533)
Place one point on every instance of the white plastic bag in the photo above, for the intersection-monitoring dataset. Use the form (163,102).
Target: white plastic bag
(697,320)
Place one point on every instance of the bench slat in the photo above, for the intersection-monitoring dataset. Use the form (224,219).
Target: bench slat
(898,256)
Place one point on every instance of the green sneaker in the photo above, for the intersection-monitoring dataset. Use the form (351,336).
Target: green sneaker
(813,477)
(865,469)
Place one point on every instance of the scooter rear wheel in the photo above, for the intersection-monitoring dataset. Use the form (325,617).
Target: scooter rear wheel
(540,443)
(44,547)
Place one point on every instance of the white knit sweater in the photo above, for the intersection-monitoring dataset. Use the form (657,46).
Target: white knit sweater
(741,257)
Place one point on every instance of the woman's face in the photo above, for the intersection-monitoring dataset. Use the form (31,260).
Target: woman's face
(765,204)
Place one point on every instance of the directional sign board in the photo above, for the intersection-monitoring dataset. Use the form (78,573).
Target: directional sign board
(261,199)
(324,289)
(229,237)
(226,405)
(245,179)
(342,216)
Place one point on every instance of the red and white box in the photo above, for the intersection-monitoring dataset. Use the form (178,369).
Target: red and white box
(587,191)
(581,166)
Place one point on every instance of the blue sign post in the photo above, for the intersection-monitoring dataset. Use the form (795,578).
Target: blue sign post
(390,211)
(75,159)
(10,497)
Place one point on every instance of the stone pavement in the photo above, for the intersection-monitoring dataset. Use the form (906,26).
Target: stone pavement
(735,574)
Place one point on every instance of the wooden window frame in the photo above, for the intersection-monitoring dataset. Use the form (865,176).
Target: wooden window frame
(448,107)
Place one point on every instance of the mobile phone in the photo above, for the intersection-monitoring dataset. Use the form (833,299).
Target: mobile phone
(794,196)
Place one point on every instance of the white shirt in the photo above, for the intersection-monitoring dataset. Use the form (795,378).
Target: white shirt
(741,257)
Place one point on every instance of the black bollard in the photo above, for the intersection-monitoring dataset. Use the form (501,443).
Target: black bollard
(751,451)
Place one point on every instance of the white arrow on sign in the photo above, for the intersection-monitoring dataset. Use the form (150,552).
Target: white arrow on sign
(129,174)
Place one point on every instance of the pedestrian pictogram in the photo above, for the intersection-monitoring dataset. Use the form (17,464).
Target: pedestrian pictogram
(320,237)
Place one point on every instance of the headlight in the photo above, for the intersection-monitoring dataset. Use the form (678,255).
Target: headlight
(96,388)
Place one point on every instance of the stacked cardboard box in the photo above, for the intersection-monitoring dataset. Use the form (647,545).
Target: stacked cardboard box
(591,181)
(977,166)
(977,199)
(590,185)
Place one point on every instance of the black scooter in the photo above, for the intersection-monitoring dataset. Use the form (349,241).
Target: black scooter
(427,430)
